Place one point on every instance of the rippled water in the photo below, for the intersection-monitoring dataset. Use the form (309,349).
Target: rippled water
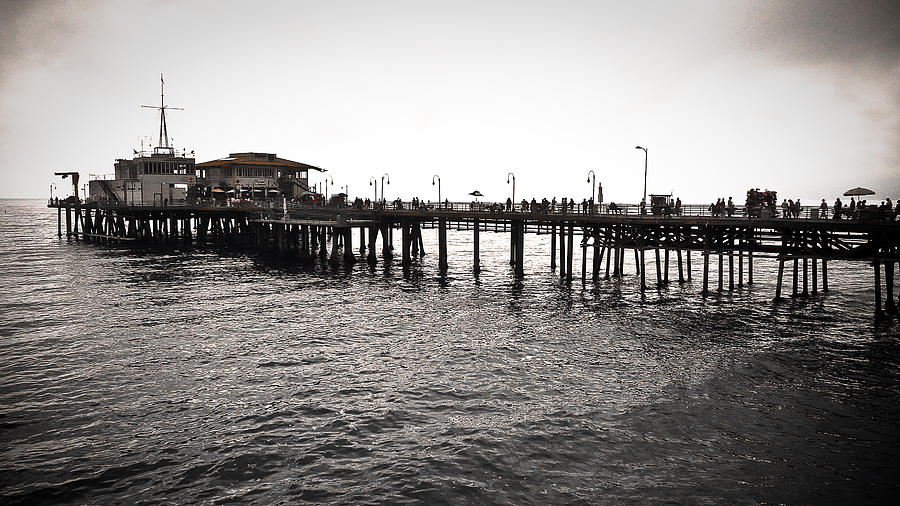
(133,375)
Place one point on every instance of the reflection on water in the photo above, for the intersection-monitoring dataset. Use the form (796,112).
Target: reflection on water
(197,374)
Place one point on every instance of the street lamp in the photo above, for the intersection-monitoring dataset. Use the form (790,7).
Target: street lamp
(645,173)
(374,182)
(593,176)
(382,183)
(439,187)
(513,176)
(326,186)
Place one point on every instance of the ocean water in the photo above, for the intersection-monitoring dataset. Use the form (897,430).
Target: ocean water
(185,375)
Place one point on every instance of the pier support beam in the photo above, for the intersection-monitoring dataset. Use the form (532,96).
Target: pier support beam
(731,268)
(642,267)
(815,276)
(666,267)
(597,259)
(570,253)
(442,244)
(824,275)
(680,267)
(562,250)
(780,278)
(705,272)
(749,267)
(406,239)
(373,238)
(890,306)
(805,277)
(658,273)
(687,254)
(553,246)
(721,273)
(476,254)
(878,310)
(519,230)
(795,280)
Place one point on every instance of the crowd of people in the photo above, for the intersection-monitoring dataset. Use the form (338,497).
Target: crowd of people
(862,210)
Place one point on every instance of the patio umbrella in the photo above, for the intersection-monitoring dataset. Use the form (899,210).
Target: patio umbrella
(476,194)
(218,190)
(858,192)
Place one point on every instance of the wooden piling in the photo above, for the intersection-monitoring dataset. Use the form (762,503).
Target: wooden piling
(570,253)
(362,241)
(687,254)
(658,273)
(680,266)
(824,275)
(597,259)
(780,278)
(584,257)
(815,276)
(666,267)
(520,248)
(553,246)
(68,222)
(476,260)
(643,270)
(513,237)
(749,267)
(373,239)
(407,243)
(705,254)
(721,271)
(877,265)
(442,244)
(730,269)
(794,291)
(608,257)
(805,277)
(890,306)
(562,250)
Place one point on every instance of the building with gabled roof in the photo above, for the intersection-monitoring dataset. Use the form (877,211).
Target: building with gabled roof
(257,172)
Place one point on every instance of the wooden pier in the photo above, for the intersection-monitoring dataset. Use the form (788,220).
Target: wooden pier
(806,245)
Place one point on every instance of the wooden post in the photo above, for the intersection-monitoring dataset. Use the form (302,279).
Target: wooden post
(666,270)
(570,253)
(323,248)
(658,273)
(824,275)
(780,277)
(373,238)
(643,268)
(730,270)
(705,254)
(584,257)
(637,270)
(68,222)
(687,253)
(878,311)
(721,271)
(362,241)
(407,242)
(597,258)
(562,250)
(419,239)
(680,267)
(349,257)
(741,268)
(476,261)
(608,257)
(386,252)
(414,240)
(553,246)
(513,237)
(889,306)
(805,277)
(795,281)
(58,221)
(815,276)
(749,267)
(442,244)
(519,230)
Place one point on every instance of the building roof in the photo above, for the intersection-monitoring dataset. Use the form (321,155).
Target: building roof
(258,159)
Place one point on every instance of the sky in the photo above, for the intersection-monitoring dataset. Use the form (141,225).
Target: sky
(801,97)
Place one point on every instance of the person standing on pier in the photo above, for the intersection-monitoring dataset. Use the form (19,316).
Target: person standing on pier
(823,209)
(837,208)
(678,206)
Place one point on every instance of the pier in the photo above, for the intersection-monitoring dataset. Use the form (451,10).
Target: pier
(804,246)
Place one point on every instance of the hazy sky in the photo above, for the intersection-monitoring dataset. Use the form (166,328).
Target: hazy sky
(801,97)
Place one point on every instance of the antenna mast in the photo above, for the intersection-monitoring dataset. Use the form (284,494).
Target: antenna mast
(163,132)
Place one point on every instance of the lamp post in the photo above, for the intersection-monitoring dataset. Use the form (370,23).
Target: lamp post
(374,182)
(326,186)
(439,187)
(52,186)
(645,173)
(385,175)
(592,176)
(513,176)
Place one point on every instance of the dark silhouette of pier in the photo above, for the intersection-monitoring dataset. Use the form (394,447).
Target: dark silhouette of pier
(806,245)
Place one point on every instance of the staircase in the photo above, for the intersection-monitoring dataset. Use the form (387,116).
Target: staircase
(107,189)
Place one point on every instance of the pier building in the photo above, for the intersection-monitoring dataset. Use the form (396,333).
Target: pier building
(257,174)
